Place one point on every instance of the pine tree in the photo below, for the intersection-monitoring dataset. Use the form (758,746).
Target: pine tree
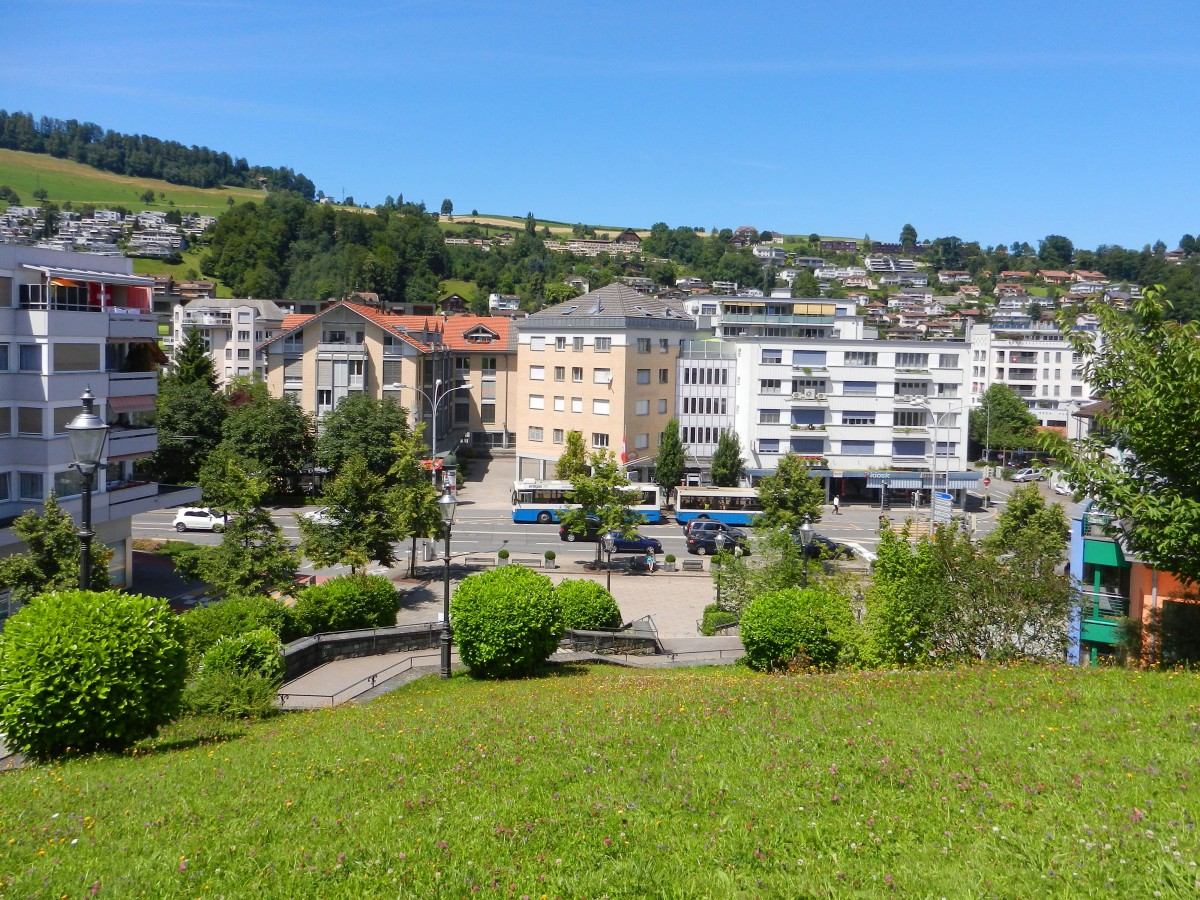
(193,363)
(727,463)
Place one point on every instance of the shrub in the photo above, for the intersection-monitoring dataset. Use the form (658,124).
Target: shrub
(256,652)
(235,616)
(715,617)
(585,605)
(83,671)
(778,626)
(229,695)
(670,557)
(506,621)
(346,602)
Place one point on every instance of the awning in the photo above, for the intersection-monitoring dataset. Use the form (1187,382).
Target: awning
(54,272)
(141,403)
(917,480)
(123,457)
(904,481)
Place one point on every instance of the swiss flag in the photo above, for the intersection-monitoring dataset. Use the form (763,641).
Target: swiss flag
(99,294)
(624,458)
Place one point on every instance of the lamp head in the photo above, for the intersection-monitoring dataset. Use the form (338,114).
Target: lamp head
(720,540)
(447,504)
(806,531)
(87,432)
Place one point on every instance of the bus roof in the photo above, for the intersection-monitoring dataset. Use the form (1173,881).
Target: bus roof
(727,491)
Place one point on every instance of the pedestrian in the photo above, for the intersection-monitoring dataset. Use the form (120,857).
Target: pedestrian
(650,561)
(837,505)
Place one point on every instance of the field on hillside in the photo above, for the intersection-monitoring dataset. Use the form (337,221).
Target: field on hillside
(590,782)
(64,179)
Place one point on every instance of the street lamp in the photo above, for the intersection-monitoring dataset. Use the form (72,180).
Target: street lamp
(720,540)
(609,544)
(434,402)
(87,432)
(806,536)
(447,504)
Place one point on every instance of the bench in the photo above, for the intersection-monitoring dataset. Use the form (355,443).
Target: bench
(692,565)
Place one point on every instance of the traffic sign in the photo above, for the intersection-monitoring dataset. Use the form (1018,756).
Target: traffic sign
(987,482)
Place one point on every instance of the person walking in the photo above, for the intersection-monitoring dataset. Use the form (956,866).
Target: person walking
(837,505)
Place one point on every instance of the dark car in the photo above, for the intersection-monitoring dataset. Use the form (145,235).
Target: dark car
(703,541)
(713,525)
(827,548)
(635,544)
(591,533)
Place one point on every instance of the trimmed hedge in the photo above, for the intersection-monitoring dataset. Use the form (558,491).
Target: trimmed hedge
(345,603)
(506,621)
(780,628)
(586,605)
(714,617)
(83,671)
(235,616)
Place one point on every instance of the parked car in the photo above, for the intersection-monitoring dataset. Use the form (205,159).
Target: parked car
(713,525)
(1029,475)
(703,541)
(199,519)
(591,532)
(821,546)
(635,544)
(319,516)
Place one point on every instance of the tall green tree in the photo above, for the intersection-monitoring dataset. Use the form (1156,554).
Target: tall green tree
(1139,460)
(359,526)
(273,431)
(50,561)
(413,495)
(193,364)
(805,284)
(363,426)
(908,237)
(1002,421)
(671,462)
(789,494)
(727,465)
(190,416)
(447,208)
(573,461)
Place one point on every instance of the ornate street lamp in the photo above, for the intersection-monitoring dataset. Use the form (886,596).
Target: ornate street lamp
(87,432)
(806,536)
(447,504)
(608,542)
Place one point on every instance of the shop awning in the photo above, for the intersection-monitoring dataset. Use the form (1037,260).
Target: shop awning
(916,480)
(141,403)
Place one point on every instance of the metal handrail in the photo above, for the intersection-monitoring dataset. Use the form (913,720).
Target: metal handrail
(371,680)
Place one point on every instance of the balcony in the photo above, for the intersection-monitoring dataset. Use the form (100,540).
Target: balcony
(132,384)
(208,320)
(768,319)
(352,351)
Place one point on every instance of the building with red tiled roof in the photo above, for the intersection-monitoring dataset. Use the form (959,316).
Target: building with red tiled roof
(358,348)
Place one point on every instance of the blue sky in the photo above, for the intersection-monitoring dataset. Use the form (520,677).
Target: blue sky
(994,121)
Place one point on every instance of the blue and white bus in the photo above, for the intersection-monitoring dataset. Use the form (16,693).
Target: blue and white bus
(542,501)
(733,506)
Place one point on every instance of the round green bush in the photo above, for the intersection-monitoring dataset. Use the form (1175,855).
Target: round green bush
(83,671)
(345,603)
(234,616)
(777,626)
(714,617)
(586,605)
(506,621)
(256,652)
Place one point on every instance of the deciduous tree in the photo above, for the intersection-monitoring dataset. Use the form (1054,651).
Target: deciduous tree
(789,494)
(413,497)
(274,431)
(360,425)
(671,462)
(727,464)
(359,526)
(50,561)
(1002,421)
(573,460)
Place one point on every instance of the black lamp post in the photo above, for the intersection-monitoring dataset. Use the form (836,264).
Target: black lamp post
(87,432)
(806,536)
(447,504)
(609,544)
(720,541)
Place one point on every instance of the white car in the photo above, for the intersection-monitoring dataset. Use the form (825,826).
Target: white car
(319,516)
(1029,475)
(199,519)
(1061,487)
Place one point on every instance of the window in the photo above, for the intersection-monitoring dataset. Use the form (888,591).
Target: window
(662,406)
(488,365)
(576,404)
(807,446)
(76,357)
(537,343)
(641,441)
(664,345)
(909,418)
(948,361)
(808,357)
(641,408)
(67,483)
(560,373)
(808,416)
(560,404)
(29,420)
(577,344)
(243,317)
(664,376)
(535,432)
(5,422)
(243,335)
(229,353)
(324,397)
(64,414)
(599,440)
(329,337)
(861,358)
(3,357)
(908,448)
(30,357)
(577,373)
(916,388)
(244,353)
(602,376)
(860,417)
(5,487)
(858,448)
(1076,390)
(487,412)
(600,407)
(946,390)
(537,373)
(560,343)
(859,388)
(643,345)
(558,435)
(768,416)
(29,486)
(768,445)
(770,386)
(643,376)
(912,360)
(772,357)
(603,345)
(462,366)
(537,401)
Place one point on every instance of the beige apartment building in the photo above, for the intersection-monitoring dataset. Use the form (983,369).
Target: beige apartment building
(602,364)
(350,347)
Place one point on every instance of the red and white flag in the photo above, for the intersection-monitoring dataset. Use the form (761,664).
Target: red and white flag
(623,456)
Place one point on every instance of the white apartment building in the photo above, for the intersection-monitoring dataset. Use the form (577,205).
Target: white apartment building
(1037,361)
(806,376)
(71,322)
(232,330)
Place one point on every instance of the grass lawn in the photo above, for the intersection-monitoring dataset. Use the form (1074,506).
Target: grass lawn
(68,180)
(998,782)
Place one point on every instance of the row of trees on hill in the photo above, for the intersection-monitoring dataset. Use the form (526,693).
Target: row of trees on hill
(142,156)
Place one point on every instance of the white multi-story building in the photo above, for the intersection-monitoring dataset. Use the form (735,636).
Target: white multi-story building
(1037,361)
(70,322)
(232,330)
(806,376)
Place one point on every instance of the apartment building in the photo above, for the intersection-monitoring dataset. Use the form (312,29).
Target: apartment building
(1037,361)
(70,322)
(232,331)
(603,364)
(349,347)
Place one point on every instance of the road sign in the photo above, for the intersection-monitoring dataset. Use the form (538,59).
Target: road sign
(943,504)
(987,482)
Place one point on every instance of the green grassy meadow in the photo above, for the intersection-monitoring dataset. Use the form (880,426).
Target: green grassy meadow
(606,782)
(64,180)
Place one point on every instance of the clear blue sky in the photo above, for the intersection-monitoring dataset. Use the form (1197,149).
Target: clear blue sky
(995,121)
